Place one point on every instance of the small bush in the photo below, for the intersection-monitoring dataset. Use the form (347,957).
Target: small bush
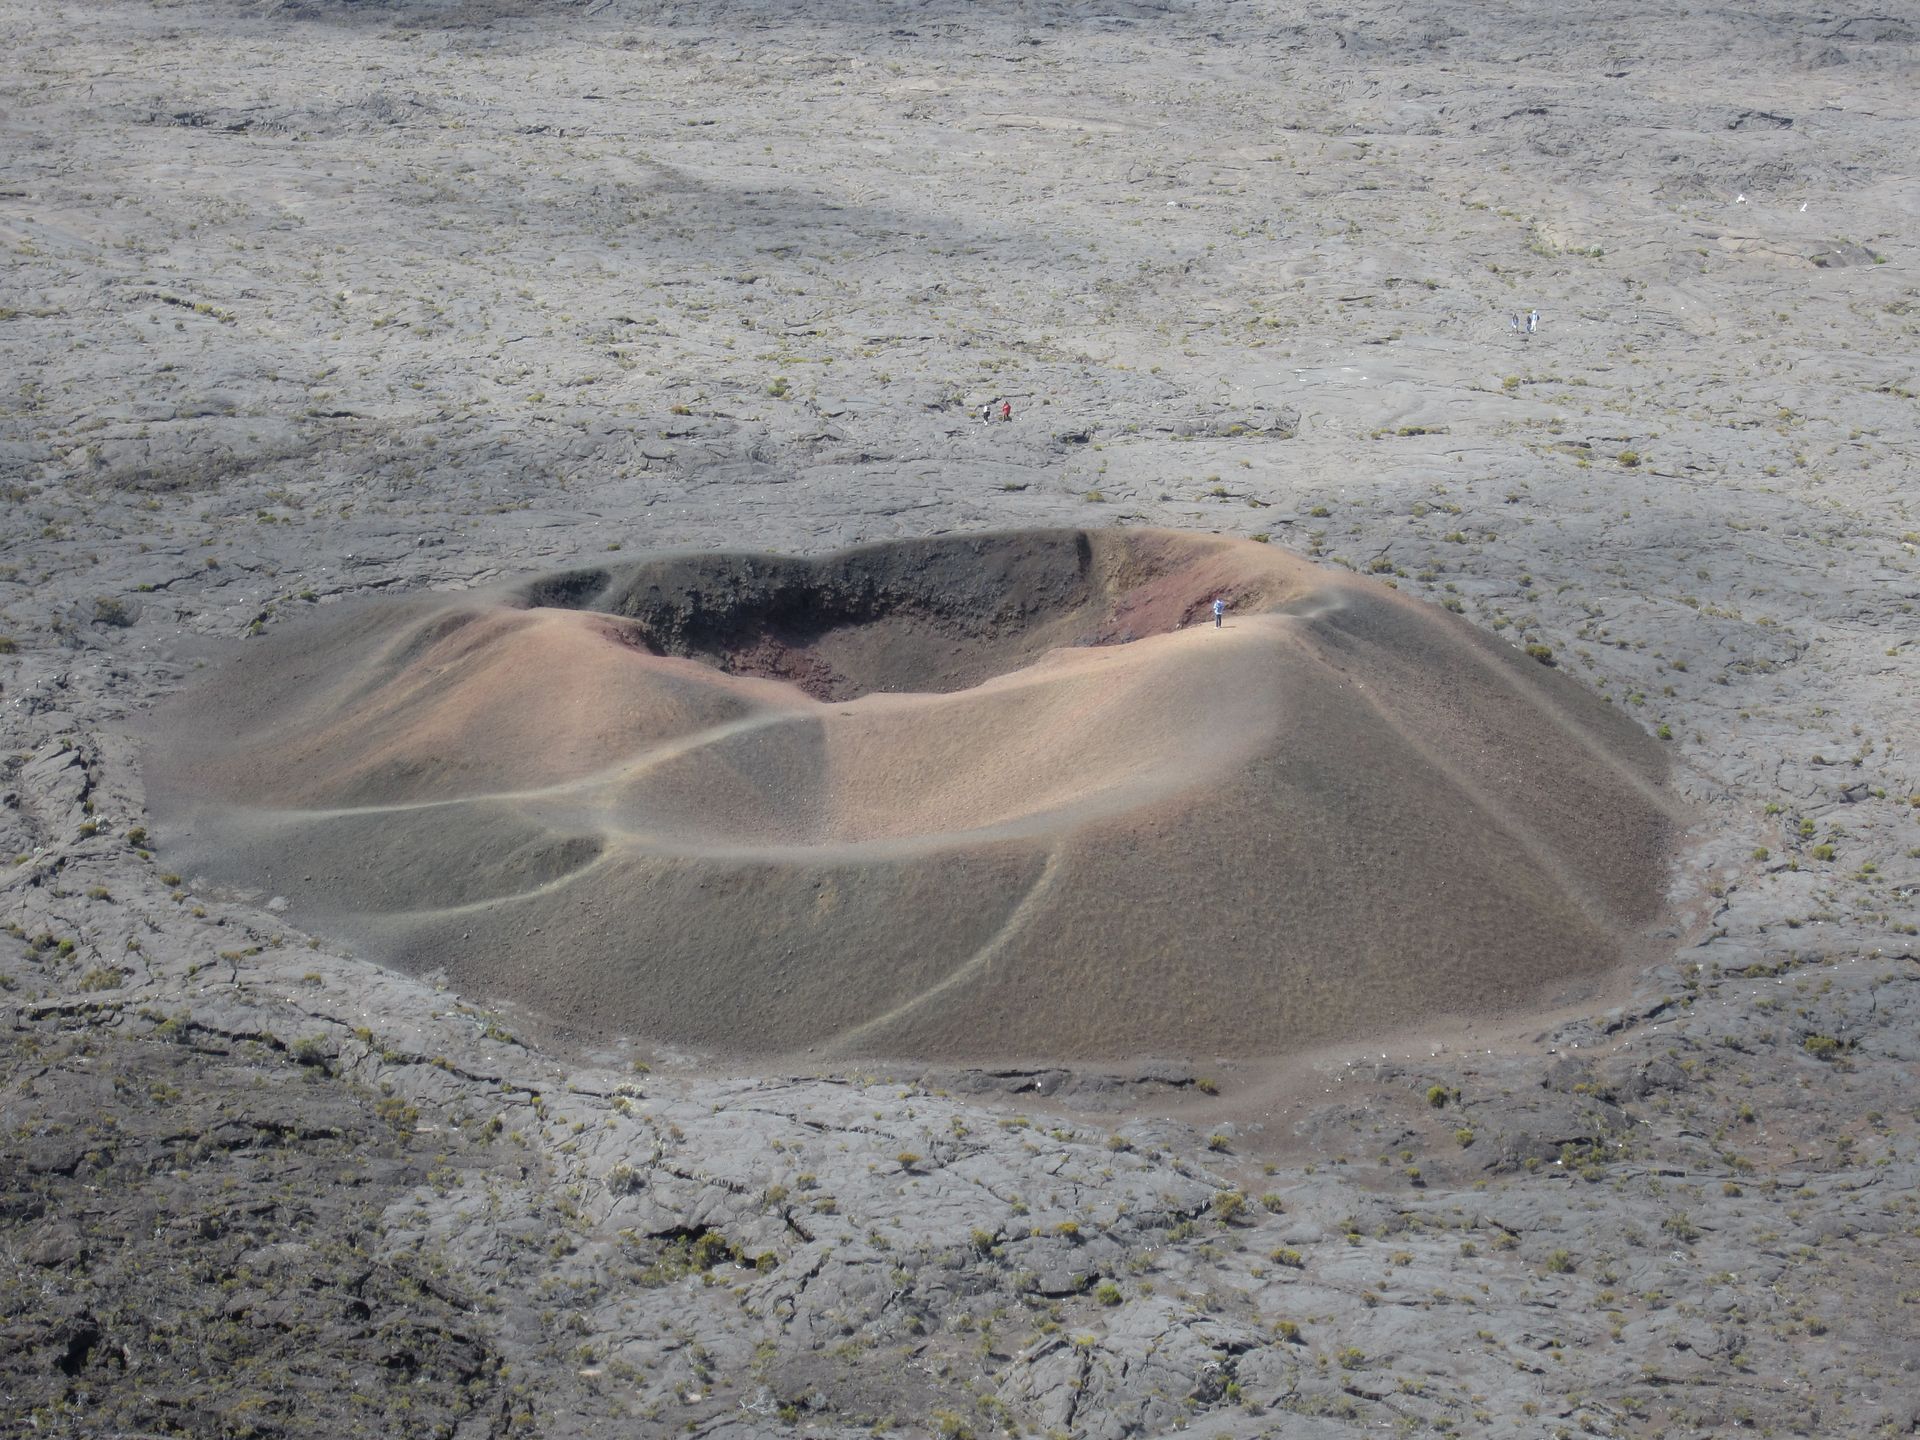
(397,1113)
(624,1179)
(1542,653)
(1107,1293)
(309,1050)
(1288,1257)
(1437,1096)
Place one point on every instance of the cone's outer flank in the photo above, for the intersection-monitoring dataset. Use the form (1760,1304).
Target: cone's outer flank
(980,796)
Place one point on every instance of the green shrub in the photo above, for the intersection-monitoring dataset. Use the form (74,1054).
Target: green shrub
(624,1179)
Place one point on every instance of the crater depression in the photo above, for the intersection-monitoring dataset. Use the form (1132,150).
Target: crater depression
(981,796)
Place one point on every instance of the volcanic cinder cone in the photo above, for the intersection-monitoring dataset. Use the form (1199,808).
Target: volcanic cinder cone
(999,795)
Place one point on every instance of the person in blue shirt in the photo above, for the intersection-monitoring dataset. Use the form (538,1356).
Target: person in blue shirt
(1219,611)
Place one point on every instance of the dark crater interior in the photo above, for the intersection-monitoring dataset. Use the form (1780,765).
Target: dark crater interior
(931,615)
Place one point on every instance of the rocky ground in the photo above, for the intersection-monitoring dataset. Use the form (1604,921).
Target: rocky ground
(311,301)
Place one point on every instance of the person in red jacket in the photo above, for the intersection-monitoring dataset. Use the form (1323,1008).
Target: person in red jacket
(1006,410)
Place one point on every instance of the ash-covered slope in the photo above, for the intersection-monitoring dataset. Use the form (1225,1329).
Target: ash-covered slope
(980,796)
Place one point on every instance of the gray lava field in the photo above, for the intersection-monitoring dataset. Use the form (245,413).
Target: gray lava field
(316,302)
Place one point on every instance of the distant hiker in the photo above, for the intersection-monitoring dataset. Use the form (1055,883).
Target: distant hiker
(1006,410)
(986,413)
(1533,321)
(1513,322)
(1219,611)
